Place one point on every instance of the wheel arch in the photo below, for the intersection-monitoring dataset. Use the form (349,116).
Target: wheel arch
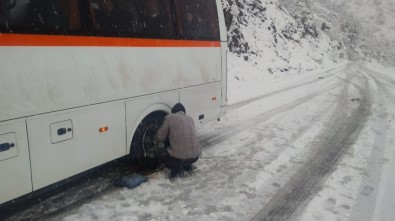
(154,108)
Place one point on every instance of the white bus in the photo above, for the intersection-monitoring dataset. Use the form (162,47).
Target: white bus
(84,82)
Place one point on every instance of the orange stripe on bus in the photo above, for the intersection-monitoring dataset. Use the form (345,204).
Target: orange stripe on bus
(63,40)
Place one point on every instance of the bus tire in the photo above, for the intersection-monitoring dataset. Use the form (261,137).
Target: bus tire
(144,141)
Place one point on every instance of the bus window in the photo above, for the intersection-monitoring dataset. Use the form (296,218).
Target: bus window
(131,18)
(114,16)
(157,18)
(197,19)
(40,16)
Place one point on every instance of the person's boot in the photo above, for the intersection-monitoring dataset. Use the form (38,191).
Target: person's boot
(188,168)
(174,172)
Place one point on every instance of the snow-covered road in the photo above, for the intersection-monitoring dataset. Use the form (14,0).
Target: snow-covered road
(315,146)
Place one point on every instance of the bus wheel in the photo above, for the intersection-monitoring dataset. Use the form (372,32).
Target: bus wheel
(144,143)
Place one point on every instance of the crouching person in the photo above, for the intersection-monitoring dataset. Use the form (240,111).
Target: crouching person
(184,149)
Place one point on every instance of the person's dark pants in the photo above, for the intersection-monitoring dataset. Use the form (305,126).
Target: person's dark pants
(174,164)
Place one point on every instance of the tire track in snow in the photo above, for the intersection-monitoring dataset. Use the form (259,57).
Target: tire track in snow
(369,188)
(274,154)
(243,166)
(387,79)
(243,103)
(333,142)
(228,131)
(219,136)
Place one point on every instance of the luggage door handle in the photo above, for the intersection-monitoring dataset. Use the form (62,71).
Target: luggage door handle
(6,146)
(63,131)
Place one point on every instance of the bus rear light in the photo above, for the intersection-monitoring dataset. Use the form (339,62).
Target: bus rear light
(214,98)
(103,129)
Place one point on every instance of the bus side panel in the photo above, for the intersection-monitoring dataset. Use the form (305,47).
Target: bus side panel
(67,143)
(15,178)
(36,80)
(224,92)
(221,21)
(224,51)
(202,103)
(138,108)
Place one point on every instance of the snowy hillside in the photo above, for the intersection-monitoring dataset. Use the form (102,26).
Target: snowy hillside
(266,41)
(376,15)
(368,24)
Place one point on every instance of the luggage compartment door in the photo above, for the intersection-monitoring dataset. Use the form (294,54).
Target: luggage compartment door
(202,103)
(15,177)
(66,143)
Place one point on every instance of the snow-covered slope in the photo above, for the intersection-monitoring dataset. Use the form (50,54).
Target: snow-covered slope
(266,41)
(372,21)
(378,15)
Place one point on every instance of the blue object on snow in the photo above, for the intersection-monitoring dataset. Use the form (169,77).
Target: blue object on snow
(130,181)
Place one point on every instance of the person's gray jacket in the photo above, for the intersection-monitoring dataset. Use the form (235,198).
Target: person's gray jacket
(180,129)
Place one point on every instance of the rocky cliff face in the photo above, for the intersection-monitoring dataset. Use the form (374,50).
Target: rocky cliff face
(271,39)
(365,27)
